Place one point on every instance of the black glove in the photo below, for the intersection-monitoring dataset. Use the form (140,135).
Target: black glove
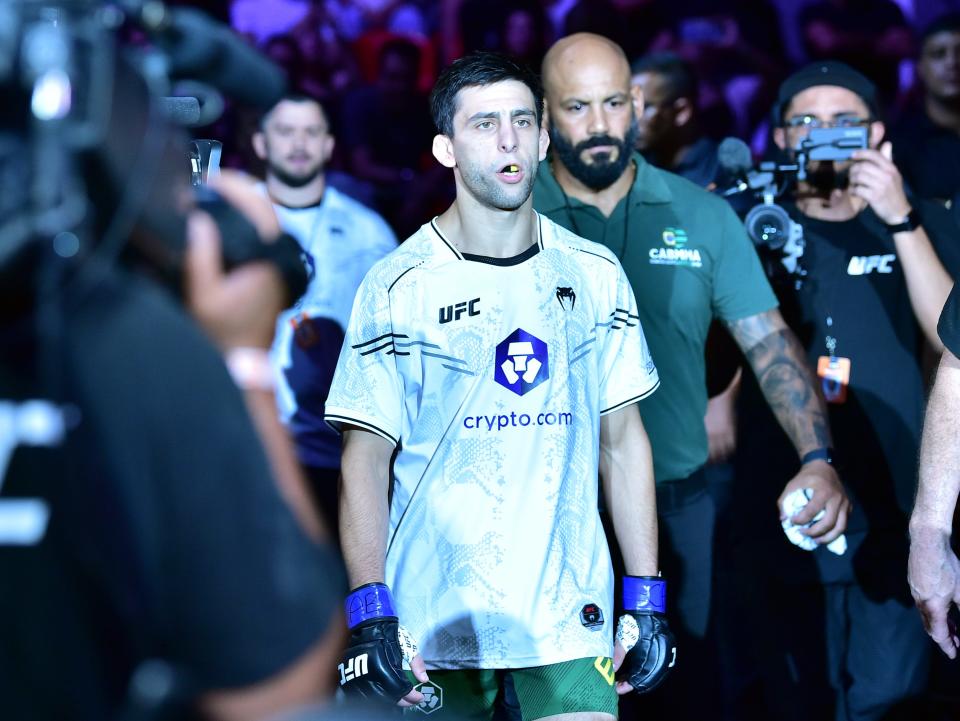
(372,665)
(644,633)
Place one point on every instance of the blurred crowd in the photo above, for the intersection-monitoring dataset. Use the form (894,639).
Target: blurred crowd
(372,62)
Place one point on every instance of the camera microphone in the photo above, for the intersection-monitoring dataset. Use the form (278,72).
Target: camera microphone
(735,158)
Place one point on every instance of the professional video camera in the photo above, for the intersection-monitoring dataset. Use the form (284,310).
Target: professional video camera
(777,236)
(86,126)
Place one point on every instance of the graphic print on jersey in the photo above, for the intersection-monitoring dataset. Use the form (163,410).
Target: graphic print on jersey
(522,362)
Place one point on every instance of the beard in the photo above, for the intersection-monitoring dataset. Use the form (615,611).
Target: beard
(602,172)
(823,177)
(294,180)
(491,192)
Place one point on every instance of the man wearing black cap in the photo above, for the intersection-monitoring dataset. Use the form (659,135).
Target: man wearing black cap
(866,292)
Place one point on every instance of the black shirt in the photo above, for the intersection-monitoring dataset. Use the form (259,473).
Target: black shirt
(167,537)
(949,326)
(928,156)
(855,291)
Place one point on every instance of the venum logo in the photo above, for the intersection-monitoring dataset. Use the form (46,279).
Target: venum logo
(354,668)
(453,312)
(567,298)
(522,362)
(432,698)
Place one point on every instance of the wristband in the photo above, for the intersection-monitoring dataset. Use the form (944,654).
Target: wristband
(911,222)
(372,600)
(644,594)
(818,454)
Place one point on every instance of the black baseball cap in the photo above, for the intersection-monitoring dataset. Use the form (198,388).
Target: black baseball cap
(827,72)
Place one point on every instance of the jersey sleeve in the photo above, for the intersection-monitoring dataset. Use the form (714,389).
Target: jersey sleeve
(367,391)
(627,372)
(740,288)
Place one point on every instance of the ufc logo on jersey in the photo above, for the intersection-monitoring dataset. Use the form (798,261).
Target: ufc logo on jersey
(453,312)
(866,264)
(355,668)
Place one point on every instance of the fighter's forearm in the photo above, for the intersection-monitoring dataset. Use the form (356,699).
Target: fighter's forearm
(788,384)
(626,471)
(364,514)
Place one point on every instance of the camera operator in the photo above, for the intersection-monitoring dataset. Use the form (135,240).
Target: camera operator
(149,562)
(867,291)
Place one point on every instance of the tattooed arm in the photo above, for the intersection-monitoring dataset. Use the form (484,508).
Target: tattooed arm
(779,362)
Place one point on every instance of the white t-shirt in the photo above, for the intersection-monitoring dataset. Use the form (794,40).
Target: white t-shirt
(341,240)
(492,377)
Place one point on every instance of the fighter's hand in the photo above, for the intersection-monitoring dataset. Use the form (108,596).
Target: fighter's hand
(645,649)
(372,666)
(829,496)
(875,178)
(239,308)
(933,573)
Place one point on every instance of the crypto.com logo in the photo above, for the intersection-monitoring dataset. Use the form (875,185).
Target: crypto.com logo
(521,362)
(432,698)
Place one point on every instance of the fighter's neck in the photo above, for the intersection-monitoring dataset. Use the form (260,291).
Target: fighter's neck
(478,230)
(301,197)
(606,199)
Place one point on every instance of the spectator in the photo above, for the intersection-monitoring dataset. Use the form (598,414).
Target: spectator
(387,132)
(736,51)
(669,134)
(926,142)
(340,239)
(871,36)
(635,25)
(523,35)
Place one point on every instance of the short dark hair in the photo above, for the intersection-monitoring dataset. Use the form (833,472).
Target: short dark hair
(945,23)
(292,97)
(677,73)
(478,69)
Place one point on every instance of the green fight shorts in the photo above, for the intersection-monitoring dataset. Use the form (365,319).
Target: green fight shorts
(581,685)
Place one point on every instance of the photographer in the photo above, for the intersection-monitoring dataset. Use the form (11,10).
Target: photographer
(151,567)
(866,292)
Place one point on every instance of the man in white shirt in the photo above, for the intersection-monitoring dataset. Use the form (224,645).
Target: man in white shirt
(491,368)
(341,239)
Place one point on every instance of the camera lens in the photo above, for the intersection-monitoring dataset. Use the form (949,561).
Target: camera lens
(768,226)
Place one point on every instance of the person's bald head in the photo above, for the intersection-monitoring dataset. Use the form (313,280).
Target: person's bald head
(592,108)
(583,55)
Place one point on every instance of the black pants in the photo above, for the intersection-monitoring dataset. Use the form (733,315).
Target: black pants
(687,519)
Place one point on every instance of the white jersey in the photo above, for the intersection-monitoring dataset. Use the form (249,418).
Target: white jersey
(341,240)
(492,376)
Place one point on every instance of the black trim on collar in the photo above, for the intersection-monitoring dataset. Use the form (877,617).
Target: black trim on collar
(525,255)
(514,260)
(436,229)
